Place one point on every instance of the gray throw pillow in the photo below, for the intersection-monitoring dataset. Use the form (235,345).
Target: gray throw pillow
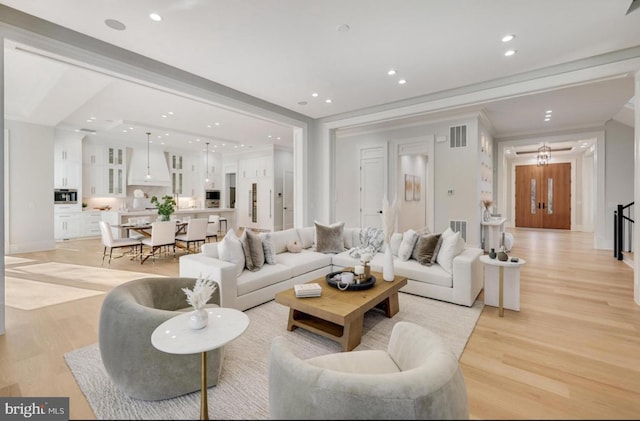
(250,249)
(424,250)
(256,250)
(329,239)
(268,248)
(437,249)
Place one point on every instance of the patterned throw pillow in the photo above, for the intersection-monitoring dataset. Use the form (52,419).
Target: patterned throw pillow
(268,248)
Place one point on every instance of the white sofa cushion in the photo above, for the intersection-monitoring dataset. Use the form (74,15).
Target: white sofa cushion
(210,250)
(409,239)
(433,274)
(451,246)
(307,236)
(305,261)
(280,239)
(368,361)
(269,274)
(230,250)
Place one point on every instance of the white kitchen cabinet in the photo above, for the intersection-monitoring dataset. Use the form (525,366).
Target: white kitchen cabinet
(90,223)
(104,169)
(67,164)
(66,225)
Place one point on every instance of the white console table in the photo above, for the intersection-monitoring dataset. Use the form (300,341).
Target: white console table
(502,283)
(491,230)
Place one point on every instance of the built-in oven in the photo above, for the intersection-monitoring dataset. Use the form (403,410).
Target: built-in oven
(65,196)
(212,198)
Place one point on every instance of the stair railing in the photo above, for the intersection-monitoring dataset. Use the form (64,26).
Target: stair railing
(622,224)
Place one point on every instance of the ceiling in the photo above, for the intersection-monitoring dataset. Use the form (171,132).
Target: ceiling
(283,51)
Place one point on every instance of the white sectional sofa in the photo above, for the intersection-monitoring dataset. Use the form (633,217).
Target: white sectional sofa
(249,289)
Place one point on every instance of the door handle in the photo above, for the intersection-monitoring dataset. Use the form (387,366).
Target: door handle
(543,205)
(380,211)
(538,205)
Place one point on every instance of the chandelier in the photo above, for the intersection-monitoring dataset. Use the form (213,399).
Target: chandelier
(544,155)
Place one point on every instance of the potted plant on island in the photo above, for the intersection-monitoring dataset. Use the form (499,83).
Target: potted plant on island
(165,208)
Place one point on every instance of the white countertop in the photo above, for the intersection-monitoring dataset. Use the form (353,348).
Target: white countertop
(147,212)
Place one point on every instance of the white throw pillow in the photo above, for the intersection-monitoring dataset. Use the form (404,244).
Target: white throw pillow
(452,245)
(230,250)
(409,239)
(307,235)
(394,242)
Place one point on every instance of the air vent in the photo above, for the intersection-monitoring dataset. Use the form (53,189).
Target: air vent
(460,226)
(88,131)
(458,136)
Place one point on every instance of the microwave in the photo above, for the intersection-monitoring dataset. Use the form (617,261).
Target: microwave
(212,198)
(65,196)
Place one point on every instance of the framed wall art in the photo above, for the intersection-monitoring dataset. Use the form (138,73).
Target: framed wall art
(408,187)
(417,186)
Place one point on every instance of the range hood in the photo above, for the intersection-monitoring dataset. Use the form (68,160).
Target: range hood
(157,167)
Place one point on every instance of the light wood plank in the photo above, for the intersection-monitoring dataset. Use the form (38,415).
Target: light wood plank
(571,352)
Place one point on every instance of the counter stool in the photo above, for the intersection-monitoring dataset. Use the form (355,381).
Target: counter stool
(223,220)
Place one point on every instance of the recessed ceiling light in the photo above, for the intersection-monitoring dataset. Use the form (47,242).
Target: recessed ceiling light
(509,53)
(508,38)
(217,124)
(391,72)
(547,119)
(93,118)
(170,113)
(155,17)
(209,125)
(402,81)
(549,111)
(166,134)
(278,138)
(315,94)
(125,131)
(130,128)
(115,24)
(269,136)
(164,116)
(343,28)
(328,101)
(89,121)
(197,140)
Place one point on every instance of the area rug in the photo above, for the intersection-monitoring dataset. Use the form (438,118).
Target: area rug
(242,391)
(25,294)
(102,279)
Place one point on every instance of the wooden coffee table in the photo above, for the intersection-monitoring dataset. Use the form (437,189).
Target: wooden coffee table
(339,315)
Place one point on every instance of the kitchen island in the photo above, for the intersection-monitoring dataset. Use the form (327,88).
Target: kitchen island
(119,217)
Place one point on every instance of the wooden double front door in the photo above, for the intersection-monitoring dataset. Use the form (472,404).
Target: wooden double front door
(543,196)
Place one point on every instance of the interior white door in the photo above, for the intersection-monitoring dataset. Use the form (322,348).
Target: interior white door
(373,182)
(287,210)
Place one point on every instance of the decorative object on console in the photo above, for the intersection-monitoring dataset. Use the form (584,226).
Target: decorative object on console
(198,297)
(365,258)
(166,208)
(492,254)
(486,213)
(388,215)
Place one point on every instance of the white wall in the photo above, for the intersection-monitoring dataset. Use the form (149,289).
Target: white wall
(619,170)
(454,169)
(30,188)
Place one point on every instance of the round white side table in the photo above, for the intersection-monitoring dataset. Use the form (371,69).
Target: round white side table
(513,277)
(174,336)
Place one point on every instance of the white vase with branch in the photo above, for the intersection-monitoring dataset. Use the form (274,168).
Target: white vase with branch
(389,214)
(198,297)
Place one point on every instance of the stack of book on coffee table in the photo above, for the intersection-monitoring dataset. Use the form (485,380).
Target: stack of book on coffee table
(308,290)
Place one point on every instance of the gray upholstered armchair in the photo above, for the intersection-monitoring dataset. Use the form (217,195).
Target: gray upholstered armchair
(416,378)
(129,314)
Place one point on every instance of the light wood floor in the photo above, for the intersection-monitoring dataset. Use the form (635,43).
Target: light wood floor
(572,351)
